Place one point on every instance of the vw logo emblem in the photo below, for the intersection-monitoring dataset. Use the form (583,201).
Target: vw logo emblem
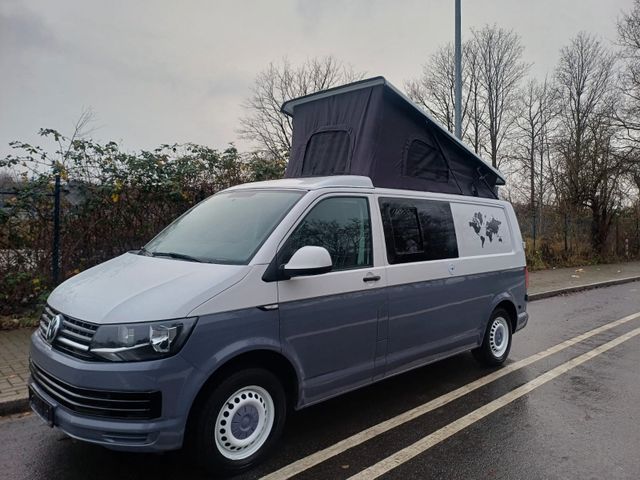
(53,328)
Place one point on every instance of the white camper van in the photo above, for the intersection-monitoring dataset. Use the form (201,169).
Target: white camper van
(276,295)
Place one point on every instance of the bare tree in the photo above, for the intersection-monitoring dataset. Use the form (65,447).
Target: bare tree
(501,70)
(474,128)
(591,167)
(263,123)
(435,91)
(629,113)
(537,107)
(629,39)
(59,161)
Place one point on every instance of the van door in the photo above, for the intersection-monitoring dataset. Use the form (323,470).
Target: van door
(429,314)
(329,322)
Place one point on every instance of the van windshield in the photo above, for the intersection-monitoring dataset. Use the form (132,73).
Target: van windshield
(227,228)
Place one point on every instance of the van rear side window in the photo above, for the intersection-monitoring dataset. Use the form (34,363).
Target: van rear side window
(405,227)
(417,230)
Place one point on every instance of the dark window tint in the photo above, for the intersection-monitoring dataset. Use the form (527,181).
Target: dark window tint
(339,224)
(424,160)
(327,153)
(405,226)
(417,230)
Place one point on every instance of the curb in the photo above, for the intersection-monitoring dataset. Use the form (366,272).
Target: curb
(17,405)
(579,288)
(21,404)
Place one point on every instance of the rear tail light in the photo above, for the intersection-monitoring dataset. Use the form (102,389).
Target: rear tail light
(526,277)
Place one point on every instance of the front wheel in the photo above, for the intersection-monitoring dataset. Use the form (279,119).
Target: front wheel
(240,421)
(496,343)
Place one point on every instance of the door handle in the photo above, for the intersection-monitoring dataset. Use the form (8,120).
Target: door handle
(371,278)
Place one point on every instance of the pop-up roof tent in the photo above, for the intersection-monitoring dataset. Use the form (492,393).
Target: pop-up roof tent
(370,128)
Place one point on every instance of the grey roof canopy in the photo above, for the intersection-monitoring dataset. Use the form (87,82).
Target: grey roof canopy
(370,128)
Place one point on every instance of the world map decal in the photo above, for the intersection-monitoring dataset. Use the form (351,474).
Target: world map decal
(485,228)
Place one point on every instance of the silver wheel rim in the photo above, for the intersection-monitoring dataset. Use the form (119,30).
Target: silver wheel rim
(499,337)
(244,423)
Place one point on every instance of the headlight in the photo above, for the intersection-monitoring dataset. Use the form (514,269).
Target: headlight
(141,341)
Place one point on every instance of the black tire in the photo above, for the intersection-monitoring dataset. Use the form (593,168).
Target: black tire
(487,353)
(209,447)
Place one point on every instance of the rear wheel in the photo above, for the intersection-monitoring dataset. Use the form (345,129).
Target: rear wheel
(496,343)
(240,421)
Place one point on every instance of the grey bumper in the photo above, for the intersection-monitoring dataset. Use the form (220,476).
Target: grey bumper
(174,377)
(523,318)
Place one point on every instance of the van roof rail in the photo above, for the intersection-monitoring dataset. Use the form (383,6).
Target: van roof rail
(311,183)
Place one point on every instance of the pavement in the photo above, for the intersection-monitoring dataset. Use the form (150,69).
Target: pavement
(566,405)
(548,283)
(14,344)
(14,369)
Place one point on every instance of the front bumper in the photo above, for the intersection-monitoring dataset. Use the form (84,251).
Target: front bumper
(175,378)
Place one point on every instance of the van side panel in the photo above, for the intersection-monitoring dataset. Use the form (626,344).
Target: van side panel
(436,318)
(435,309)
(482,230)
(219,337)
(440,307)
(334,340)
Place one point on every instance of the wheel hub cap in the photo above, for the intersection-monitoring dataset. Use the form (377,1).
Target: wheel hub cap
(499,337)
(244,423)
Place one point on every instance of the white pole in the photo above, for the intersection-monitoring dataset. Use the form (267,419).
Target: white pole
(458,74)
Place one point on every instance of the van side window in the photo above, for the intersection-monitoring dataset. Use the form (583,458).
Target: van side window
(417,230)
(342,225)
(405,226)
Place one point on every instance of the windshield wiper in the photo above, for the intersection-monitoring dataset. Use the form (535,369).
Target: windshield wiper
(178,256)
(145,252)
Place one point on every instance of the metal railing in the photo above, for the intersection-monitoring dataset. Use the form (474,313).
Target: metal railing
(55,247)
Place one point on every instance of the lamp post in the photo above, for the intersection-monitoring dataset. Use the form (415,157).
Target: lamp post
(55,252)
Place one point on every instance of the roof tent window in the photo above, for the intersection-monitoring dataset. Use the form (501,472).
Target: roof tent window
(327,153)
(425,161)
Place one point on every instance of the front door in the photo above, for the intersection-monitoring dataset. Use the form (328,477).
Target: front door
(329,322)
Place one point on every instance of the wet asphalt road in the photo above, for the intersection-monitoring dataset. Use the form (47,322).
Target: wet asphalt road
(585,424)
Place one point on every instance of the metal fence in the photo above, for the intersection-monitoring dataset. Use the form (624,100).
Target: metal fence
(46,236)
(555,236)
(11,255)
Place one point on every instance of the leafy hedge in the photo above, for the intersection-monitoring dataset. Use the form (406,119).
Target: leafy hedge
(112,201)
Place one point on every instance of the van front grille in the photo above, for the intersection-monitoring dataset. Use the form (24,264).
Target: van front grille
(98,403)
(74,336)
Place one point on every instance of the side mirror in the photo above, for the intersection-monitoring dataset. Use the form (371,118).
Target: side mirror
(308,261)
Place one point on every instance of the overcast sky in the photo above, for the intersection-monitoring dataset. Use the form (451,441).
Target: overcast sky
(177,71)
